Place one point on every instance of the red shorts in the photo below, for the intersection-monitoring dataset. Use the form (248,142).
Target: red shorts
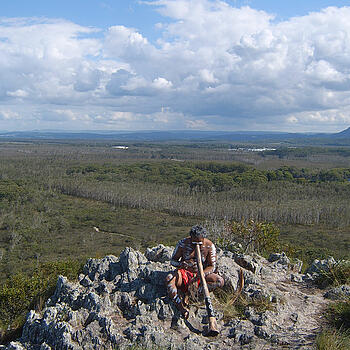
(187,277)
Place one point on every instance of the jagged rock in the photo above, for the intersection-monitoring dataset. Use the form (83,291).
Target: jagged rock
(131,262)
(247,262)
(107,268)
(160,253)
(296,278)
(229,271)
(297,266)
(338,293)
(242,332)
(262,332)
(321,266)
(294,317)
(121,301)
(15,346)
(279,260)
(256,318)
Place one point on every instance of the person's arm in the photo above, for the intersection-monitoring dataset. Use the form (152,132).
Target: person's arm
(177,255)
(210,260)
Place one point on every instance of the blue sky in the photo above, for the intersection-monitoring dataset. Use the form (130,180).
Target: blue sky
(184,64)
(96,13)
(137,14)
(134,13)
(289,8)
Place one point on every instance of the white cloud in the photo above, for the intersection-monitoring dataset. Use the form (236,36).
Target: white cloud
(197,124)
(214,66)
(162,84)
(9,115)
(329,117)
(61,115)
(18,93)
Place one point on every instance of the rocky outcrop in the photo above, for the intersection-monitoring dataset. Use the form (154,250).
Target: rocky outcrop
(121,301)
(338,293)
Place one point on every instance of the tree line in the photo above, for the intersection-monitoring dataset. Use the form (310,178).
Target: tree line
(206,176)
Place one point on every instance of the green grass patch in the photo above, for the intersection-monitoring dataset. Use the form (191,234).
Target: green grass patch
(317,241)
(56,226)
(338,314)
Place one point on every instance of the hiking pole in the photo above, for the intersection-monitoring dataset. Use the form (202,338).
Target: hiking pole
(213,328)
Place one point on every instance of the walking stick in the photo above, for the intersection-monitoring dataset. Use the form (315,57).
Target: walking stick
(213,328)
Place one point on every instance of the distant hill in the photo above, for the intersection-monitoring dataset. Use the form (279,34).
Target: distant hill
(344,133)
(183,135)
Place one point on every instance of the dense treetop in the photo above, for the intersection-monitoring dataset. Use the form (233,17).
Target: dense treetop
(207,176)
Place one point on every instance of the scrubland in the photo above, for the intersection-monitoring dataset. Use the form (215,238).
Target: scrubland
(61,202)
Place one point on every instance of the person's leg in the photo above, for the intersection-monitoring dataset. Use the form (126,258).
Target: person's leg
(173,283)
(214,281)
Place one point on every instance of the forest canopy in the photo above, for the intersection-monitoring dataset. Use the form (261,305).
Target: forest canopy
(207,176)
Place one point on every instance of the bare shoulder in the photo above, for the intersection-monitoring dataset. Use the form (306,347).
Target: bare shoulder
(208,243)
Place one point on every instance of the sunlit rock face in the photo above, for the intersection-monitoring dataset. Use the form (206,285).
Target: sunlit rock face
(121,301)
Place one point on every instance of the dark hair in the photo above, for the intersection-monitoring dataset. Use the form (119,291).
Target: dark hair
(198,231)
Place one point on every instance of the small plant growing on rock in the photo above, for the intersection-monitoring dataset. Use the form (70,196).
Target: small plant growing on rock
(240,305)
(335,275)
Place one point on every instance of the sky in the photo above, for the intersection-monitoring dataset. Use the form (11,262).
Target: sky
(233,65)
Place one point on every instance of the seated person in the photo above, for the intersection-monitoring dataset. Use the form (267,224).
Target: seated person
(184,259)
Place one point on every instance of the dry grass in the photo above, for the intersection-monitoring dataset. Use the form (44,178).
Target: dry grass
(338,314)
(337,275)
(236,309)
(333,339)
(337,335)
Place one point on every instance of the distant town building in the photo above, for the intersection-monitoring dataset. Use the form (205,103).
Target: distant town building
(252,149)
(120,147)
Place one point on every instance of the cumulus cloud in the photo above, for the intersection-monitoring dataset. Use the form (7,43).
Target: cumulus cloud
(9,115)
(213,66)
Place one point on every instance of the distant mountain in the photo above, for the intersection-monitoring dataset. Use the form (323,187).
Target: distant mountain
(181,135)
(344,133)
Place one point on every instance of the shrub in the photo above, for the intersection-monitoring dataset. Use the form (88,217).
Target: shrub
(336,275)
(21,292)
(251,235)
(10,190)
